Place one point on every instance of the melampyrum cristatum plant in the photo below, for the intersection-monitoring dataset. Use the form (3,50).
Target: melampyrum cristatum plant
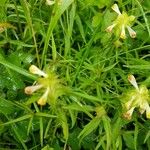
(48,86)
(122,22)
(137,98)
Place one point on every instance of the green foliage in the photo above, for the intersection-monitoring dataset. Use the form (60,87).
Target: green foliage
(85,106)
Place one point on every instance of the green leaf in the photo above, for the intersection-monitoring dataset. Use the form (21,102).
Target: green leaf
(88,97)
(80,108)
(17,120)
(7,107)
(64,124)
(146,4)
(47,147)
(21,128)
(97,19)
(73,141)
(73,116)
(109,67)
(129,140)
(2,10)
(59,10)
(81,27)
(16,68)
(91,126)
(107,127)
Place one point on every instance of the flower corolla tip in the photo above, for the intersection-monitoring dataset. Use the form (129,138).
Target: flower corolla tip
(132,80)
(35,70)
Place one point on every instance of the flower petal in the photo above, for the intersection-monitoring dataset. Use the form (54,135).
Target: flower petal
(35,70)
(129,103)
(129,113)
(131,32)
(30,89)
(116,9)
(145,107)
(42,101)
(123,34)
(49,2)
(109,29)
(148,112)
(132,80)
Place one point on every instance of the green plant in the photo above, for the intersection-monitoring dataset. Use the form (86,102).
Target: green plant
(76,94)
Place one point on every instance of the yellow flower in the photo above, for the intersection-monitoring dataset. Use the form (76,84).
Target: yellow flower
(50,2)
(31,89)
(42,101)
(129,113)
(48,84)
(35,70)
(123,21)
(138,98)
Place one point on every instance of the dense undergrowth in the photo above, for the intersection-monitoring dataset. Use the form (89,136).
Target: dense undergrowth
(91,91)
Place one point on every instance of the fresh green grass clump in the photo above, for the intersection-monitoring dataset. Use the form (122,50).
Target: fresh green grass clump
(72,76)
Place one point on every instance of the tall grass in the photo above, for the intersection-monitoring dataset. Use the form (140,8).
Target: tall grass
(87,72)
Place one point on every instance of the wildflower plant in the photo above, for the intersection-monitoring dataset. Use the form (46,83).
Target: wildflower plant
(48,84)
(122,22)
(72,101)
(138,98)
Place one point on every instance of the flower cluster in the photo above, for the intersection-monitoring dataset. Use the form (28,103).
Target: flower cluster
(138,98)
(48,83)
(123,21)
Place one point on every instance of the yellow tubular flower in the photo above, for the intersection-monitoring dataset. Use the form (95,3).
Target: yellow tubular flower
(42,101)
(116,9)
(123,34)
(148,112)
(131,32)
(110,28)
(138,98)
(143,107)
(129,103)
(132,80)
(48,85)
(31,89)
(122,22)
(50,2)
(129,113)
(35,70)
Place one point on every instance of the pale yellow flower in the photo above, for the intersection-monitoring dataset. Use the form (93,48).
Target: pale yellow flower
(50,2)
(42,101)
(48,85)
(129,113)
(122,22)
(31,89)
(35,70)
(138,98)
